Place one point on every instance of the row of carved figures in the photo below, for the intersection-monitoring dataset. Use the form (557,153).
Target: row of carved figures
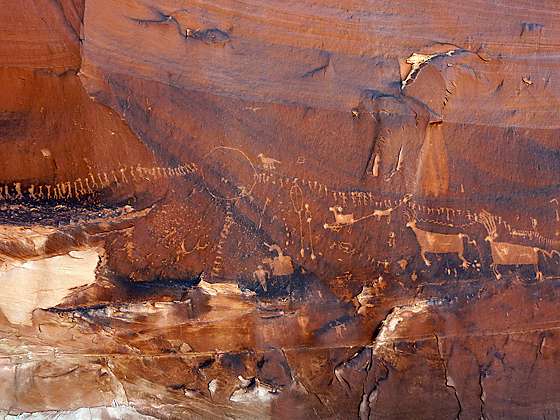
(503,253)
(444,216)
(92,183)
(343,198)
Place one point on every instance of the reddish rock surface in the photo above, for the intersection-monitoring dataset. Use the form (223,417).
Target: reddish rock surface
(308,209)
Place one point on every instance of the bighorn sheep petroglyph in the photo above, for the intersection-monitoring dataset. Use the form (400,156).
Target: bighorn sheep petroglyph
(505,253)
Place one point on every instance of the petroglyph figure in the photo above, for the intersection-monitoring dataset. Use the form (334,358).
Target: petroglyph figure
(268,163)
(93,182)
(103,181)
(281,265)
(398,165)
(308,219)
(296,196)
(31,191)
(123,176)
(341,218)
(17,187)
(89,184)
(81,191)
(439,243)
(392,240)
(383,213)
(217,266)
(88,187)
(261,275)
(117,183)
(505,253)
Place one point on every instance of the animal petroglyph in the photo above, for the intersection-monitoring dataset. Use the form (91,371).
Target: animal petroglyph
(505,253)
(439,243)
(268,163)
(182,251)
(341,220)
(453,217)
(345,247)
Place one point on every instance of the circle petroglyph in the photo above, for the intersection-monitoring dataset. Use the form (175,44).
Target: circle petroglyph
(228,173)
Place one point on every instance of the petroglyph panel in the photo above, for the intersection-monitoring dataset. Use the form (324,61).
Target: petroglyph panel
(275,210)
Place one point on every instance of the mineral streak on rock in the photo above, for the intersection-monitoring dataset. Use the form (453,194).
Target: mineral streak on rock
(263,209)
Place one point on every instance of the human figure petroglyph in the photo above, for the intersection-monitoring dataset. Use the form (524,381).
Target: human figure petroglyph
(123,176)
(17,187)
(104,182)
(261,275)
(94,184)
(85,186)
(392,240)
(88,187)
(344,197)
(281,265)
(114,175)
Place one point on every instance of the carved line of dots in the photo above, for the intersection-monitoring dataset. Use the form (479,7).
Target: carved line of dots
(224,234)
(89,185)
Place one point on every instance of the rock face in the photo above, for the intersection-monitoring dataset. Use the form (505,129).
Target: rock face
(309,209)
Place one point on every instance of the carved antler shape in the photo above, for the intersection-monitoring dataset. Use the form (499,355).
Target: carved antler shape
(410,214)
(489,222)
